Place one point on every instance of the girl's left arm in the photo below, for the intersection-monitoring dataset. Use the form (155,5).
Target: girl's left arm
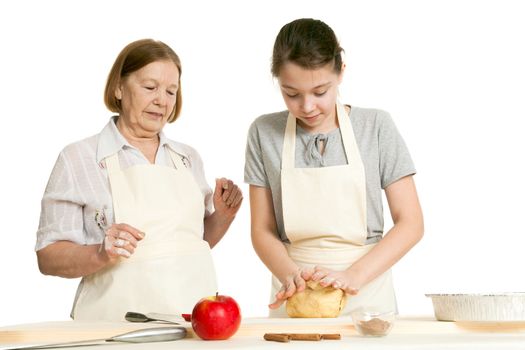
(407,231)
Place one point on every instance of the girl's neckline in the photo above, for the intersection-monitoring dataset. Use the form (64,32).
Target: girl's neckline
(302,131)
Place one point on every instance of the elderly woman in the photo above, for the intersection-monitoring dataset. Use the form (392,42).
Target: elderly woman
(129,210)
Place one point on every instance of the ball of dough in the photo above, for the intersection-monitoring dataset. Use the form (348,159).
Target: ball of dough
(316,301)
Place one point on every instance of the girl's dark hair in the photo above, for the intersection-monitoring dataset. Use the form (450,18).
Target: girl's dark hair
(307,42)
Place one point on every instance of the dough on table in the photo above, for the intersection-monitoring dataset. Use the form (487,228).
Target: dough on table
(316,301)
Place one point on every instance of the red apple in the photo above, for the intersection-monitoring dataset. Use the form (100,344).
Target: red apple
(216,318)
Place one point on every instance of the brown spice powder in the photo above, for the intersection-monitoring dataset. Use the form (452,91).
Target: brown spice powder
(374,326)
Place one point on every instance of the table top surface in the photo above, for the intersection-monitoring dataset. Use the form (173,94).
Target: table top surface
(408,332)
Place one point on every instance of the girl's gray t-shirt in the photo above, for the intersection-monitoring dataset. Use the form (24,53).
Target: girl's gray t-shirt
(384,154)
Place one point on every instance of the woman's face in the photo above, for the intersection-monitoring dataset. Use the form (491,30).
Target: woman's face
(148,97)
(310,95)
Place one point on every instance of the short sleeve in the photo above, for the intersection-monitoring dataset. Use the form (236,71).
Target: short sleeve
(254,171)
(394,158)
(61,216)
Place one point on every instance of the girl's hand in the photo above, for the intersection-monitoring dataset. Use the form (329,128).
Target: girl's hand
(293,283)
(337,279)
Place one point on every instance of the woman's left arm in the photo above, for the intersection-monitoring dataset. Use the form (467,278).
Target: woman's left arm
(407,231)
(227,199)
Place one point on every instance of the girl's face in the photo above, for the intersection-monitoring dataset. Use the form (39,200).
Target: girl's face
(311,95)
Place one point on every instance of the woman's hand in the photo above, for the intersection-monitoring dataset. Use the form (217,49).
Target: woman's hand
(120,240)
(227,200)
(293,283)
(344,280)
(227,197)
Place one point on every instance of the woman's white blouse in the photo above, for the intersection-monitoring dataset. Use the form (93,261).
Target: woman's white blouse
(77,204)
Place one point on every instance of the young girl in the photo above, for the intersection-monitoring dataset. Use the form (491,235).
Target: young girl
(316,172)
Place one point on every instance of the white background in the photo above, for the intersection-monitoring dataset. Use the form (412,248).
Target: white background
(451,73)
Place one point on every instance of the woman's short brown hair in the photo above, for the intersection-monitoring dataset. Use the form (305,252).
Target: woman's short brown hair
(133,57)
(307,42)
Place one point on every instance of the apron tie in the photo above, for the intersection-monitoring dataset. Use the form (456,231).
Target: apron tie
(312,149)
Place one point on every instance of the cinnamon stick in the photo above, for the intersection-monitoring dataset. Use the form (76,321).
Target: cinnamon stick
(333,336)
(283,338)
(286,337)
(305,336)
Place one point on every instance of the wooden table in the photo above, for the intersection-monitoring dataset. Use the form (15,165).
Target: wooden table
(408,333)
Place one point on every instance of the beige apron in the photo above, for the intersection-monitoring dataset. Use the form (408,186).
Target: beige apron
(324,212)
(172,267)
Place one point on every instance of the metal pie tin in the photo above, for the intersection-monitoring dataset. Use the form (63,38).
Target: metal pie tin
(479,307)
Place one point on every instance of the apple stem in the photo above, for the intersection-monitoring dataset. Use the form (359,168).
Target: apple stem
(216,294)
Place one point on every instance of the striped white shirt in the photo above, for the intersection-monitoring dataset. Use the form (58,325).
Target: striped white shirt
(77,203)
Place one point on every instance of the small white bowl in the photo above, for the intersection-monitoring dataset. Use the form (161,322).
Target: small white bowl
(372,323)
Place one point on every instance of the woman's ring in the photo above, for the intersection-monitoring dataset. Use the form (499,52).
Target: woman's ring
(119,243)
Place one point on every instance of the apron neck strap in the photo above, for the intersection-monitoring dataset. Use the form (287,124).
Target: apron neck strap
(347,137)
(288,155)
(113,164)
